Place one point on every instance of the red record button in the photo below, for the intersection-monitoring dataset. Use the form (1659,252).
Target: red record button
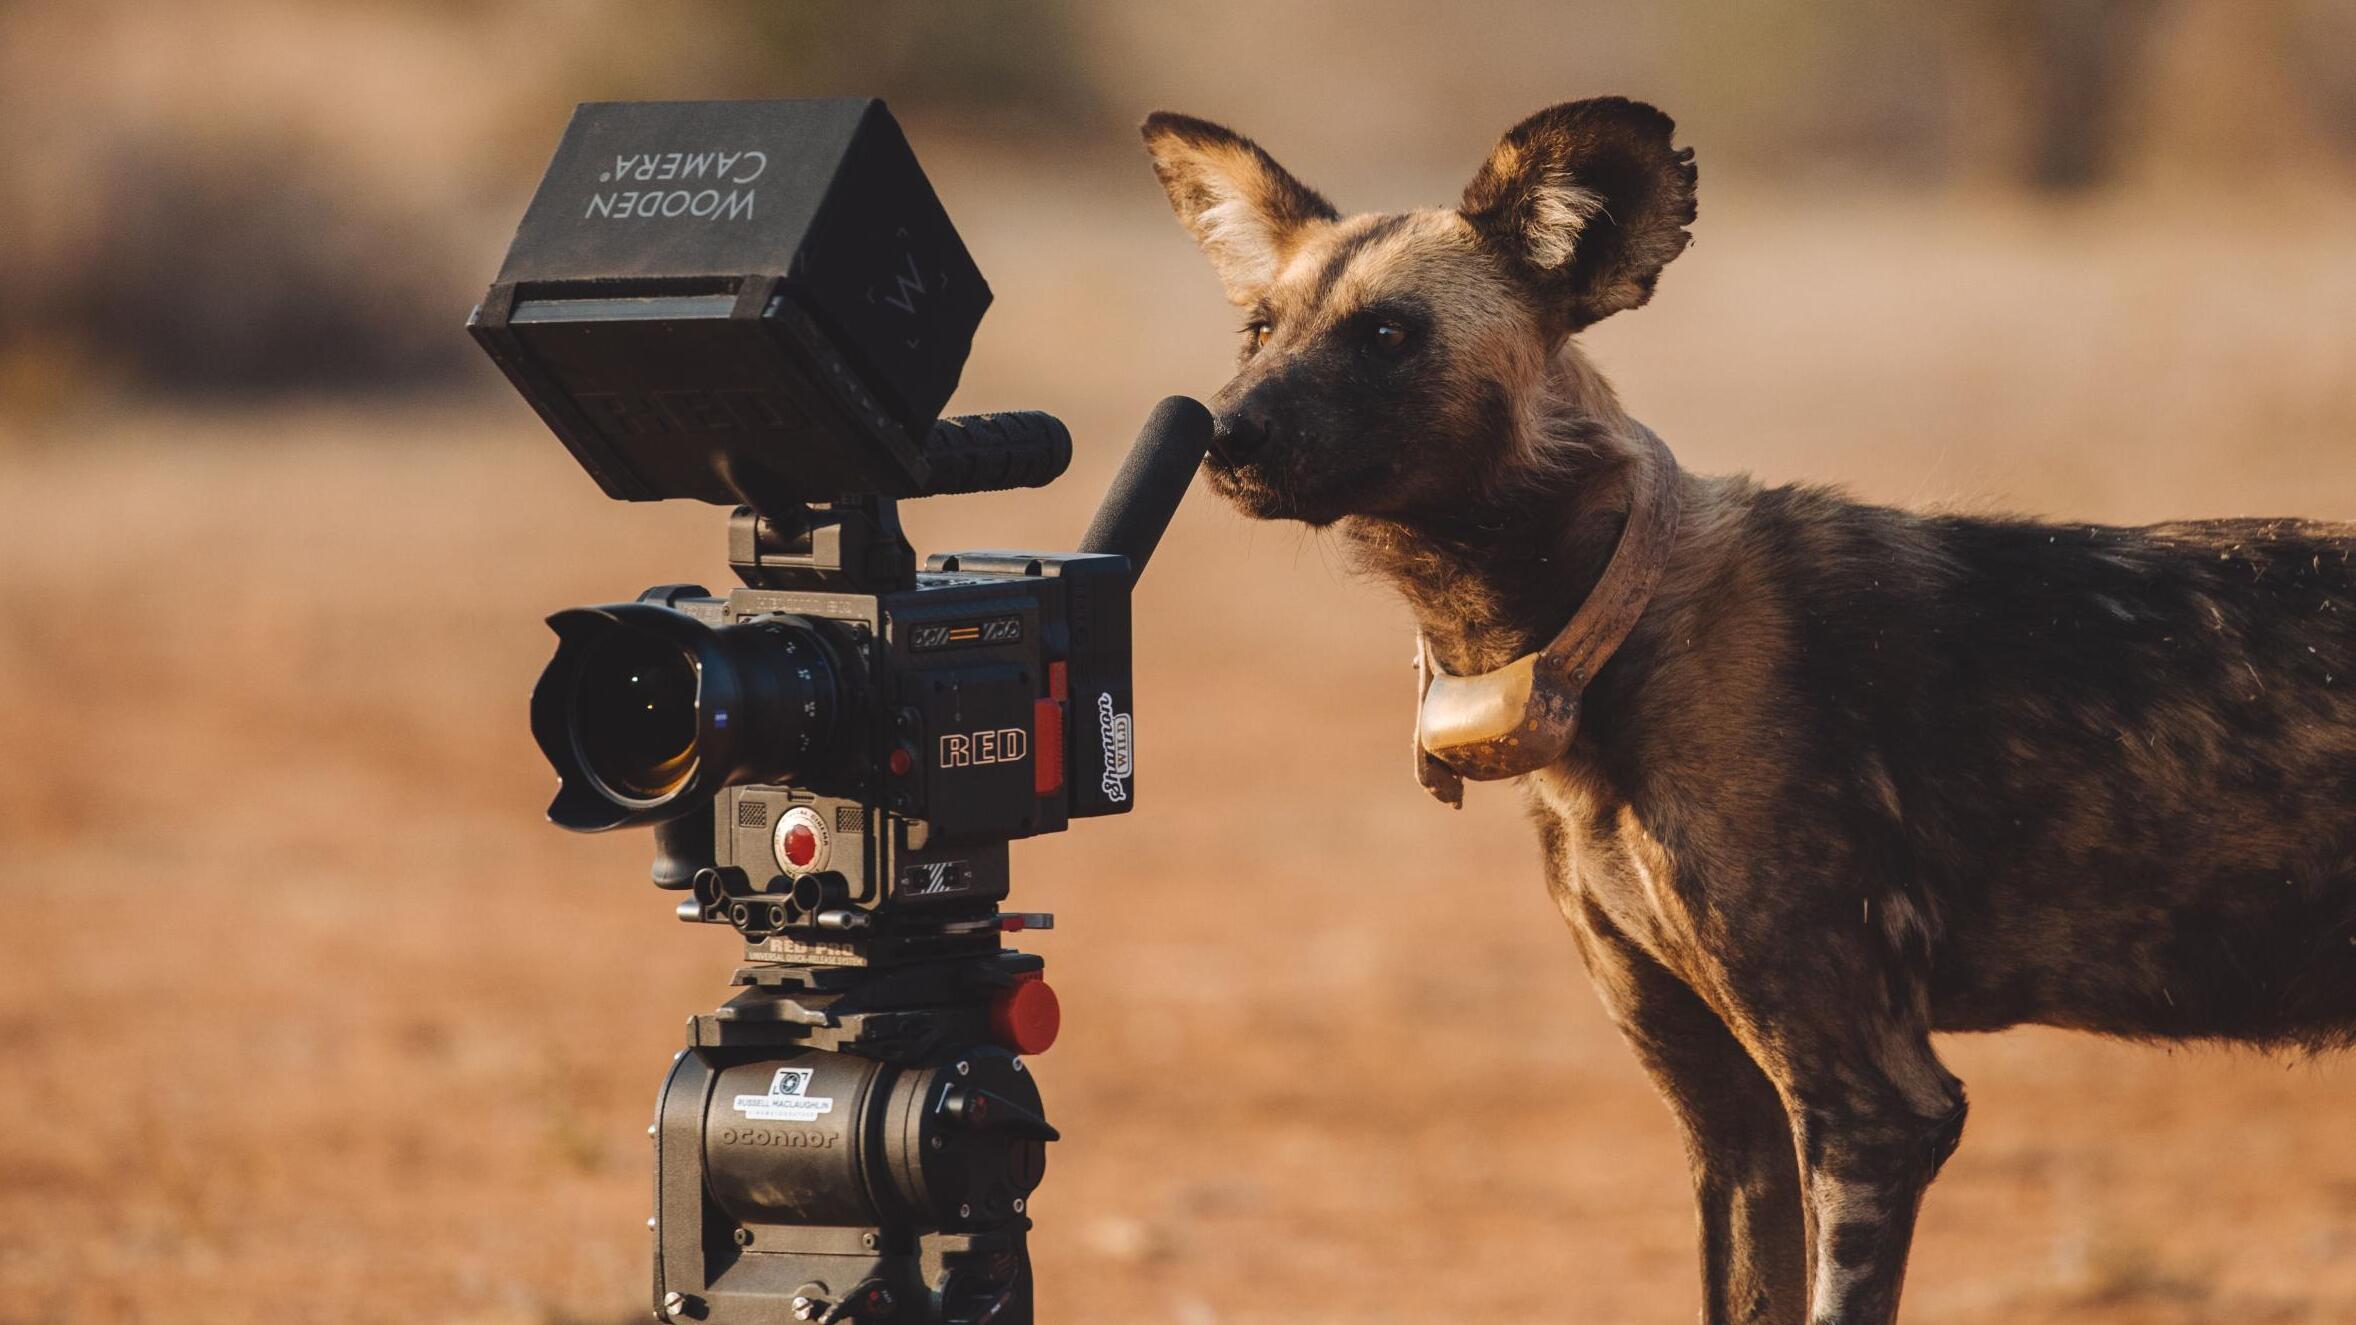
(801,846)
(801,841)
(1026,1017)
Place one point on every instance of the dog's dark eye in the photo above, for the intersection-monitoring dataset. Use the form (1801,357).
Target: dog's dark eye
(1256,335)
(1390,337)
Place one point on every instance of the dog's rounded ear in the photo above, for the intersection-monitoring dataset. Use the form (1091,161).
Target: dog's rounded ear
(1240,205)
(1587,200)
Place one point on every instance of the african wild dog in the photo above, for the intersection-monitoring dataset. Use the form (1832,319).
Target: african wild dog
(1856,775)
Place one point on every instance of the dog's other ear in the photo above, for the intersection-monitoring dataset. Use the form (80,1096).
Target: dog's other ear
(1588,200)
(1240,205)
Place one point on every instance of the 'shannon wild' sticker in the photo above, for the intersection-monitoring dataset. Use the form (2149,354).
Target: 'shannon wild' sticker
(788,1100)
(1115,731)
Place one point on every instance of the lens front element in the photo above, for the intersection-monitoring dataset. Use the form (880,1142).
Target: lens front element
(634,715)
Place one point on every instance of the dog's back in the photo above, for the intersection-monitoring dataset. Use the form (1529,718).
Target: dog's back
(2106,777)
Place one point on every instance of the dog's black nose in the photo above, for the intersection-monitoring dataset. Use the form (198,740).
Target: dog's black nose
(1237,438)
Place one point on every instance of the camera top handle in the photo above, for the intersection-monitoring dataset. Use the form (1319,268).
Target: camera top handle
(993,452)
(1029,449)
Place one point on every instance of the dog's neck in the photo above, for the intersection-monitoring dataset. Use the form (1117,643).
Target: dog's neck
(1496,578)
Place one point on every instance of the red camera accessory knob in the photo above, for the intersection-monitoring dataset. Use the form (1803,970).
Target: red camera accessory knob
(1026,1016)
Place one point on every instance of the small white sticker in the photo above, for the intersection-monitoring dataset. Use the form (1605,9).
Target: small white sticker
(937,878)
(788,1100)
(1114,730)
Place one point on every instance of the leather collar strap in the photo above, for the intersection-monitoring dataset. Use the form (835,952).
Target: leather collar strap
(1522,716)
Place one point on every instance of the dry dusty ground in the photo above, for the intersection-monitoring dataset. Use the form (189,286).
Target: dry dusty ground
(305,1016)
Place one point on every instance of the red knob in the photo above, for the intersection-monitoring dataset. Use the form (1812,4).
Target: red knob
(1026,1017)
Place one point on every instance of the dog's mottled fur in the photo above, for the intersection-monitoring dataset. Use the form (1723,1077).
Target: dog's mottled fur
(1859,774)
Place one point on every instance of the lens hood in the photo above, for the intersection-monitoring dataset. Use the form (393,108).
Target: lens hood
(646,711)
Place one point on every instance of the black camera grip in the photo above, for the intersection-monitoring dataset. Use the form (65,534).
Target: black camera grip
(1152,481)
(989,452)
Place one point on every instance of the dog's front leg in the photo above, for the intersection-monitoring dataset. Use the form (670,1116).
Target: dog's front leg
(1876,1115)
(1738,1139)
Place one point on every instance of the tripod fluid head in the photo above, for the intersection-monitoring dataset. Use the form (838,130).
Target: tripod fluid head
(763,305)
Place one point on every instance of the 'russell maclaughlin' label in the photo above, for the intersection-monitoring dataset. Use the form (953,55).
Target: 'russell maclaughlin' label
(712,186)
(788,1100)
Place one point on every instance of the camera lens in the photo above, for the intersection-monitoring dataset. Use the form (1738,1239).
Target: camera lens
(646,711)
(634,714)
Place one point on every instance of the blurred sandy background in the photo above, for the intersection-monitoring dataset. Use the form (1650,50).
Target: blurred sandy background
(305,1015)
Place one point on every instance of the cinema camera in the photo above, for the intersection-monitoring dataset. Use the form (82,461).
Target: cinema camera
(763,305)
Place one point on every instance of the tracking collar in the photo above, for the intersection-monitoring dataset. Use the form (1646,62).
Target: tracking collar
(1520,717)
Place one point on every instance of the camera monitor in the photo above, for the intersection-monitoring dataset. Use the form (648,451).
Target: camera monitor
(756,302)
